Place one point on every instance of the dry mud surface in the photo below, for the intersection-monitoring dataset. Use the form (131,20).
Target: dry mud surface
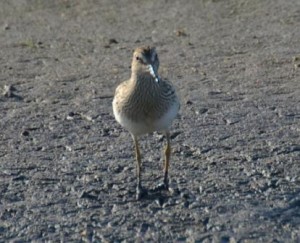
(67,170)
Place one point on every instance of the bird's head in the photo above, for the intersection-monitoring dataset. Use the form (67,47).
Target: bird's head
(145,60)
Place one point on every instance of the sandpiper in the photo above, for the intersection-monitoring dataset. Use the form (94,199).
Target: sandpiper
(146,103)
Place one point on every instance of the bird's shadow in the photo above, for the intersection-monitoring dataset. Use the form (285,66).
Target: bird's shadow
(158,195)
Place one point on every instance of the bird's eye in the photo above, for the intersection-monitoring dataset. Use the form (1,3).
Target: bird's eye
(139,59)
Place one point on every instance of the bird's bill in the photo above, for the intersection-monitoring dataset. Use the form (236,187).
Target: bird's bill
(154,75)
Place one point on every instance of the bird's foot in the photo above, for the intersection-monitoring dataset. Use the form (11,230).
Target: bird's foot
(140,192)
(162,186)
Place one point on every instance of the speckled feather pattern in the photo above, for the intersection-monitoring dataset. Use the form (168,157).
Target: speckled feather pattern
(142,105)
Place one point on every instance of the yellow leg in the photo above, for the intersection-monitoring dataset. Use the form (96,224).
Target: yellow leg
(139,189)
(167,160)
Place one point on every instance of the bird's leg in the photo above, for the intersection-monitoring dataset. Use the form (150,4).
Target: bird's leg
(167,160)
(167,150)
(140,192)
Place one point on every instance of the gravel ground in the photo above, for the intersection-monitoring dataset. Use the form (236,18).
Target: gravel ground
(67,171)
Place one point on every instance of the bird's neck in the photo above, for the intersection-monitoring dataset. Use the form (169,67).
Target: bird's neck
(141,77)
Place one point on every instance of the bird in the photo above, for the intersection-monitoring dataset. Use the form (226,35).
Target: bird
(146,103)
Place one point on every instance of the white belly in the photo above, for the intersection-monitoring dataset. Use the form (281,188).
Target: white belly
(147,125)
